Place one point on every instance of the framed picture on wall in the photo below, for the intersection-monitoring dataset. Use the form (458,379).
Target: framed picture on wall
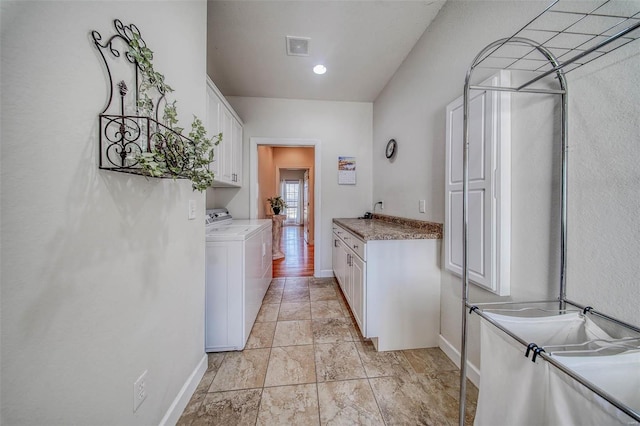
(346,170)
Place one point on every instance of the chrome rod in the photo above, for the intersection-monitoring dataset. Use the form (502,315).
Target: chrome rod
(564,148)
(527,302)
(513,89)
(604,316)
(465,249)
(558,311)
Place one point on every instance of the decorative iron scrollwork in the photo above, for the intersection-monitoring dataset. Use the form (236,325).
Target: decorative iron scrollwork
(126,134)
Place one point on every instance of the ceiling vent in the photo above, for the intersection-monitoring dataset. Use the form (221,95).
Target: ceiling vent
(298,46)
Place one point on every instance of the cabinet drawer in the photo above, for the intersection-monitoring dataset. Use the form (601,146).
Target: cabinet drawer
(357,245)
(340,232)
(353,242)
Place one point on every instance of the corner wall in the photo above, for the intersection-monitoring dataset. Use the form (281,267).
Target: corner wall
(411,109)
(102,273)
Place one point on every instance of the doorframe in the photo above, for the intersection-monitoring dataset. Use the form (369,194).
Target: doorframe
(253,185)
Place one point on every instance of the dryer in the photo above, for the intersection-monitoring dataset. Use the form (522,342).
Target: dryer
(238,273)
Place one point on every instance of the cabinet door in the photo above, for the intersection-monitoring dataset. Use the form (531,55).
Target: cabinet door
(339,261)
(227,163)
(348,277)
(226,146)
(489,172)
(358,291)
(236,173)
(213,127)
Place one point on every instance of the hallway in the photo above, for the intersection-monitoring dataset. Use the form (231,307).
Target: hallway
(298,255)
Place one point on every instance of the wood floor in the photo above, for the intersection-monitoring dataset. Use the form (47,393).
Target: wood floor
(298,255)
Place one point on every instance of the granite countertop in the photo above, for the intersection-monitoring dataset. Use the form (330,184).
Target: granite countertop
(383,227)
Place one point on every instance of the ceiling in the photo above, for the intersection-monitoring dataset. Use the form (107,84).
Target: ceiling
(362,44)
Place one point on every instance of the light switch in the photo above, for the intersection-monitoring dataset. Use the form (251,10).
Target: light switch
(423,206)
(192,209)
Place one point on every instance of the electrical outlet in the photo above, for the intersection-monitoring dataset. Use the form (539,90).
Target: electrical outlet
(423,206)
(381,205)
(192,209)
(139,391)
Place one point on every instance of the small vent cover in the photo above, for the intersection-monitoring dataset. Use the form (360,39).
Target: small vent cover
(298,46)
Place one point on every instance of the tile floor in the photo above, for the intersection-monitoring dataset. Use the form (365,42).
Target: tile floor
(306,363)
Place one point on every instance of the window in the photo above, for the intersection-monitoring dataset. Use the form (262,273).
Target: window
(292,198)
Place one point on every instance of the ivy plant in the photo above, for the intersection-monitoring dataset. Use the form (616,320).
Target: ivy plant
(171,154)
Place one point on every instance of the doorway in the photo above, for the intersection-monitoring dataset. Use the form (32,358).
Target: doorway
(275,159)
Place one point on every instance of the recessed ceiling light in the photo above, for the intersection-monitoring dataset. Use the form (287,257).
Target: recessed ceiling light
(319,69)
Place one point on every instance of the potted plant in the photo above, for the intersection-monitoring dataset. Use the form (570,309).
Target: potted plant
(277,204)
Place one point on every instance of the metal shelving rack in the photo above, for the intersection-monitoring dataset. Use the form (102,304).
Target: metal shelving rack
(564,37)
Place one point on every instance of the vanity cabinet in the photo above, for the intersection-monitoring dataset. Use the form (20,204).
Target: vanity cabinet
(350,271)
(392,287)
(221,118)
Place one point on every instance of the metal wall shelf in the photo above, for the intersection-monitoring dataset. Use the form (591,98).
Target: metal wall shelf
(124,133)
(575,33)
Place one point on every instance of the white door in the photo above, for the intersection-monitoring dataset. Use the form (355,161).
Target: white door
(305,206)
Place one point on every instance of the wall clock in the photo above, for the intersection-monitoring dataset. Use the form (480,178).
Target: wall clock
(391,148)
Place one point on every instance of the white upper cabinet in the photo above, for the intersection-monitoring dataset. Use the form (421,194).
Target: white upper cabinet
(221,118)
(489,225)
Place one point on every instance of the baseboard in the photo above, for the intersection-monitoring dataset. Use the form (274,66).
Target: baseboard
(325,273)
(182,399)
(473,372)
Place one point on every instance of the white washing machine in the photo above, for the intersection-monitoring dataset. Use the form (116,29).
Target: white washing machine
(238,273)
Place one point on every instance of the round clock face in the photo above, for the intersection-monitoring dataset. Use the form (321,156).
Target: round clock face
(391,148)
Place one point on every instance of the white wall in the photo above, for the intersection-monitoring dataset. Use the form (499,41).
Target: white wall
(344,129)
(102,273)
(604,177)
(411,109)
